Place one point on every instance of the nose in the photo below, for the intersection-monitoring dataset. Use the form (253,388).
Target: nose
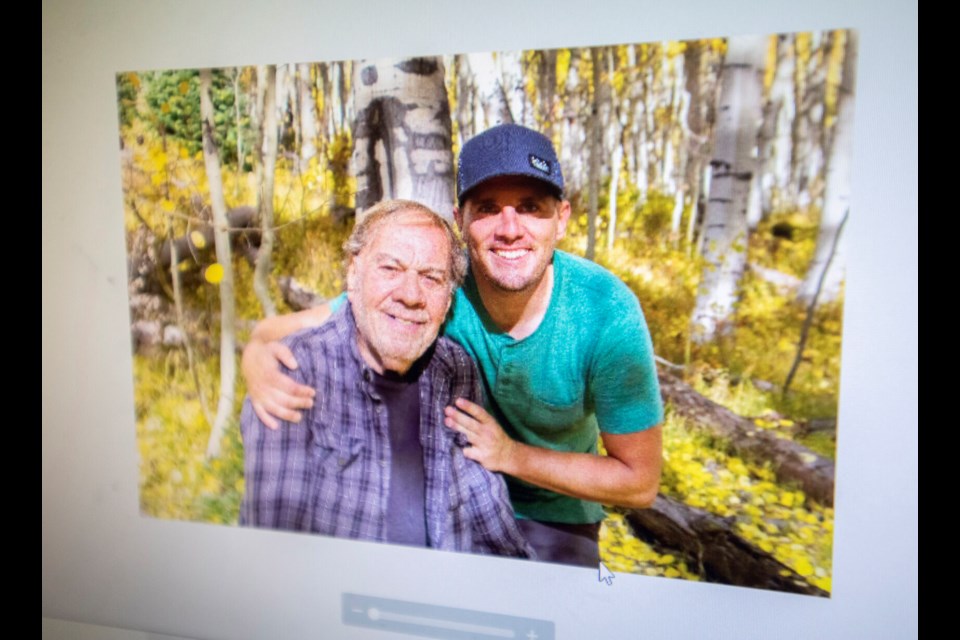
(409,290)
(509,224)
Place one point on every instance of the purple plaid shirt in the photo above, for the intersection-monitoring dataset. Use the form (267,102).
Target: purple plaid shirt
(330,474)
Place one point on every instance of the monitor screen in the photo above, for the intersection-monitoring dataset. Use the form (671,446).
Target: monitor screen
(765,515)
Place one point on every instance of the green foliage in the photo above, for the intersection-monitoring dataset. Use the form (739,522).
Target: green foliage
(128,88)
(174,101)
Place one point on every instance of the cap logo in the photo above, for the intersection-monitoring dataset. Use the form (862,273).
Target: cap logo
(540,164)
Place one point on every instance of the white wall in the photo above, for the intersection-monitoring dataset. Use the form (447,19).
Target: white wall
(102,563)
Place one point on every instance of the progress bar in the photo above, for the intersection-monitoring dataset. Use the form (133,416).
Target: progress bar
(432,621)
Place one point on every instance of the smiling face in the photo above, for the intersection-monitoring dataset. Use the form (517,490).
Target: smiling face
(400,288)
(511,226)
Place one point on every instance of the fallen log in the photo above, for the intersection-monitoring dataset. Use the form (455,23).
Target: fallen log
(710,543)
(149,262)
(790,461)
(200,240)
(297,296)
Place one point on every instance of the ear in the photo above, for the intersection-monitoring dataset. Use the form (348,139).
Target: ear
(563,209)
(458,216)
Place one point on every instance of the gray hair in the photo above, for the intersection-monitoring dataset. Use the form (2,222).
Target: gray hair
(383,211)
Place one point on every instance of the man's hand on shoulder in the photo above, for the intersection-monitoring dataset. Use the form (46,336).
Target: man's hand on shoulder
(489,444)
(273,395)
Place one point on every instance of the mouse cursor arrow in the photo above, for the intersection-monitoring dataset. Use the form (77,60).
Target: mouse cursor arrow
(605,575)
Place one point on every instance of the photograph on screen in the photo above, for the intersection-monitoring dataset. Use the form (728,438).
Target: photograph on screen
(577,305)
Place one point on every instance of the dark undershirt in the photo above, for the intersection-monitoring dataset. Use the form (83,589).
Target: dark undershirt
(406,503)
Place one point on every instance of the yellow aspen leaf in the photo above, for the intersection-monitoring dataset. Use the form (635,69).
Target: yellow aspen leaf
(804,567)
(671,573)
(766,545)
(184,153)
(165,107)
(786,499)
(167,205)
(159,161)
(197,239)
(184,87)
(214,273)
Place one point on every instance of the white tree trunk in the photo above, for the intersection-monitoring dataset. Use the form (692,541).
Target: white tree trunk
(643,156)
(733,167)
(402,146)
(466,99)
(547,89)
(267,152)
(284,102)
(511,84)
(239,129)
(491,107)
(679,171)
(308,117)
(596,151)
(784,103)
(573,135)
(612,196)
(221,240)
(696,133)
(837,190)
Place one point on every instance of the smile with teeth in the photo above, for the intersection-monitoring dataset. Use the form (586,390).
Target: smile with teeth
(511,254)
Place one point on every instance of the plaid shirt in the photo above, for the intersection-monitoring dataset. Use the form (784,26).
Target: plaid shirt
(330,474)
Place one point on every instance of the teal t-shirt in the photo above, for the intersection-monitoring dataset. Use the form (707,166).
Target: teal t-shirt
(587,368)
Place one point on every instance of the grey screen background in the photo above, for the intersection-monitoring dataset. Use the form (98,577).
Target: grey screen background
(102,563)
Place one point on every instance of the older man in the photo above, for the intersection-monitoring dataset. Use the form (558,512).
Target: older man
(372,459)
(563,350)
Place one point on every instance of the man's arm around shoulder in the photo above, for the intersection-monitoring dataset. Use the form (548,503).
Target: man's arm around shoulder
(274,395)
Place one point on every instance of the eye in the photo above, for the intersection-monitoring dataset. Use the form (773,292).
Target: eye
(486,208)
(432,281)
(531,206)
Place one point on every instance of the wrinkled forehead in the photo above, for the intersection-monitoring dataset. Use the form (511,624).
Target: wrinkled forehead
(410,236)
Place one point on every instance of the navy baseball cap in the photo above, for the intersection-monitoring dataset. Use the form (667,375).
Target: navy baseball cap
(508,150)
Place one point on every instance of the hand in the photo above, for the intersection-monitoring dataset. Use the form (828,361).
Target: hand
(273,394)
(489,444)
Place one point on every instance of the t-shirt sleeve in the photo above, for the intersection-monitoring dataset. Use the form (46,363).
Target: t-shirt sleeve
(337,302)
(623,381)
